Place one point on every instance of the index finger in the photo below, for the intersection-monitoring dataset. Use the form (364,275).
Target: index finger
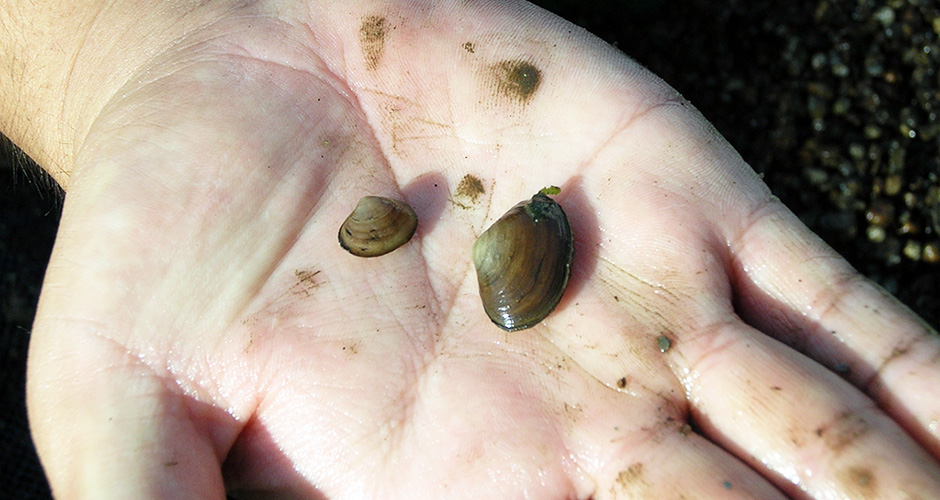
(790,284)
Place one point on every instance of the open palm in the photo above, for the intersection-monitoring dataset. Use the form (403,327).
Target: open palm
(201,329)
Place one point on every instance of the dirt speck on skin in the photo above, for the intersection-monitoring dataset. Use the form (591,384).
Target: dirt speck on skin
(844,431)
(516,79)
(470,47)
(859,481)
(372,33)
(633,480)
(306,282)
(470,189)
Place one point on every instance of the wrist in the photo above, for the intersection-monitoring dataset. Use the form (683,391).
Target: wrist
(63,61)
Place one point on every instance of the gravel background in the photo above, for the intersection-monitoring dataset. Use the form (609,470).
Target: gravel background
(834,102)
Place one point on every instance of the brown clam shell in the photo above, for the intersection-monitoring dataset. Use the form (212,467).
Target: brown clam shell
(523,262)
(377,226)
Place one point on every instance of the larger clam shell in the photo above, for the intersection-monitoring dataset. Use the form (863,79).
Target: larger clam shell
(523,262)
(377,226)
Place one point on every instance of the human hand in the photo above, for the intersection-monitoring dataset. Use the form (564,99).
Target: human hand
(200,327)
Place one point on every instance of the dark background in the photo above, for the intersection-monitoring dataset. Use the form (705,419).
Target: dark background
(834,102)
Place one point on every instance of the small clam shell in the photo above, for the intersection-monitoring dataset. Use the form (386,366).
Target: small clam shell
(523,262)
(377,226)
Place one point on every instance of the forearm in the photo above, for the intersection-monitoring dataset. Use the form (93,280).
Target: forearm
(62,61)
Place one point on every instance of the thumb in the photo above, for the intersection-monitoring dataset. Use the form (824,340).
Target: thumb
(107,425)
